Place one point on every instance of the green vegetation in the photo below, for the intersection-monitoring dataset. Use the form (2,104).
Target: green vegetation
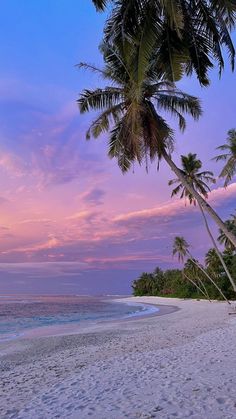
(173,283)
(187,36)
(199,180)
(229,157)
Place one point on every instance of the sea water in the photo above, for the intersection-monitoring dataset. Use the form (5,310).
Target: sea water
(19,314)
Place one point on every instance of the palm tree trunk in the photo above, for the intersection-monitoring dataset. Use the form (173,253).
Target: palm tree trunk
(201,201)
(208,276)
(203,286)
(217,250)
(192,282)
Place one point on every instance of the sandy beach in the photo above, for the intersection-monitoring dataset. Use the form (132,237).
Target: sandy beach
(177,365)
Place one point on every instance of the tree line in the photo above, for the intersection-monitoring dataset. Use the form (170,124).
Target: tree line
(195,280)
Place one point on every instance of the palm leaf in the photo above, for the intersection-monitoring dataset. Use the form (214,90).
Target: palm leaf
(100,4)
(99,98)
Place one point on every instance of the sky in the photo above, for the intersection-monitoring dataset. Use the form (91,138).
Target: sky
(70,221)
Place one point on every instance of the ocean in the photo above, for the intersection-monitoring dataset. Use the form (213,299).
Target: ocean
(20,314)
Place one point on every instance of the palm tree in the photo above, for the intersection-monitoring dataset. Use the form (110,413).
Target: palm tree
(188,35)
(211,258)
(229,169)
(199,180)
(128,110)
(181,248)
(223,239)
(191,270)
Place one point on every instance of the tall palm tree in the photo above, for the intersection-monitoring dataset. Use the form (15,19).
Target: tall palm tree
(181,248)
(229,169)
(199,180)
(223,239)
(188,34)
(129,111)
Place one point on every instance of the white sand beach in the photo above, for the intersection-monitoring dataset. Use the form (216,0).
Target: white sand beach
(176,365)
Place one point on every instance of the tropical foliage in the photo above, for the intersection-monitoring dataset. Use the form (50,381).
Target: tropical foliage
(172,283)
(223,239)
(129,107)
(186,35)
(199,180)
(229,157)
(100,4)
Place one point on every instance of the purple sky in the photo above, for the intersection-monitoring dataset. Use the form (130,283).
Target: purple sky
(70,221)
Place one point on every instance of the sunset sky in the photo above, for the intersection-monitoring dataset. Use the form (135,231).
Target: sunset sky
(70,221)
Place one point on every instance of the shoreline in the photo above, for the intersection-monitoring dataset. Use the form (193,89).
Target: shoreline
(176,365)
(85,326)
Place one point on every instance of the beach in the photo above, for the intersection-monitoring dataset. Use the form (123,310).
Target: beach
(178,363)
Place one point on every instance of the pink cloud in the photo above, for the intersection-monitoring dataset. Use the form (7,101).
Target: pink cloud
(12,163)
(221,194)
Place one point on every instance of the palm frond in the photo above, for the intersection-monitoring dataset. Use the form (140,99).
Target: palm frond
(180,103)
(100,4)
(99,98)
(104,121)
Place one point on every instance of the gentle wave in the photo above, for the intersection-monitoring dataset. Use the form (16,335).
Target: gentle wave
(20,315)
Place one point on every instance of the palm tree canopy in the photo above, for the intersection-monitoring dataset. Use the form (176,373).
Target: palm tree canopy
(191,267)
(223,239)
(211,258)
(187,35)
(180,247)
(199,180)
(129,107)
(229,157)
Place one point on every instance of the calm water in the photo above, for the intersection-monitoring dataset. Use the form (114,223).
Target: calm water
(22,313)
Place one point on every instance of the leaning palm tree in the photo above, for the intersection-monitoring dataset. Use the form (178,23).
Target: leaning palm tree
(181,248)
(188,35)
(199,180)
(191,270)
(229,157)
(223,239)
(129,111)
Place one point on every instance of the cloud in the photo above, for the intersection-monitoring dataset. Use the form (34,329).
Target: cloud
(85,215)
(94,196)
(168,210)
(50,243)
(43,269)
(221,195)
(45,146)
(12,164)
